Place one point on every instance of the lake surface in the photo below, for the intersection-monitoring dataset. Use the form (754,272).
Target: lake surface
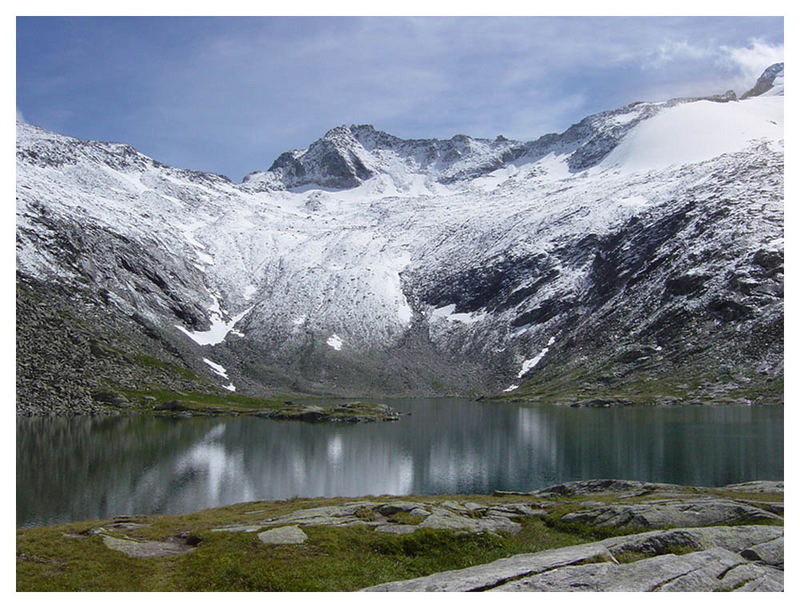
(91,468)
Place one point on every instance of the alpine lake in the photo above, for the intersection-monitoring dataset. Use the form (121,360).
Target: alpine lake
(83,468)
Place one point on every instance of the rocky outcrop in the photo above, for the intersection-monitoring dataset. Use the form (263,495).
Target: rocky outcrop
(335,161)
(621,487)
(674,512)
(703,559)
(401,517)
(766,81)
(712,570)
(757,486)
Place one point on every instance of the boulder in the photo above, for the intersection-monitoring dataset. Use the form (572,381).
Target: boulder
(109,397)
(135,548)
(287,535)
(171,406)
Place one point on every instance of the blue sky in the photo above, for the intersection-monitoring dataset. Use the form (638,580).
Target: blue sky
(230,94)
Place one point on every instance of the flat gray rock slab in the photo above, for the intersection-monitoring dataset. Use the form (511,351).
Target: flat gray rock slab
(449,515)
(134,548)
(775,487)
(670,513)
(336,515)
(287,535)
(712,570)
(486,576)
(605,486)
(637,488)
(718,561)
(515,509)
(445,519)
(657,542)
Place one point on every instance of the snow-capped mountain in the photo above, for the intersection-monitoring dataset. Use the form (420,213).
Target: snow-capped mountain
(639,250)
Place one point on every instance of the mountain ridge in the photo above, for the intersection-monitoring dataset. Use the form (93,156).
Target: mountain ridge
(460,266)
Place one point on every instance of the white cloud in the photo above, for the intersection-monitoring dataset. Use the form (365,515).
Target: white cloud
(752,60)
(20,117)
(678,50)
(690,68)
(749,61)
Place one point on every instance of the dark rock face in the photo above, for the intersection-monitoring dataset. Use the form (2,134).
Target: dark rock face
(330,162)
(489,285)
(765,81)
(684,285)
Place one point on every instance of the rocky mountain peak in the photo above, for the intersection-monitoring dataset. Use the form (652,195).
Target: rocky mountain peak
(337,160)
(340,136)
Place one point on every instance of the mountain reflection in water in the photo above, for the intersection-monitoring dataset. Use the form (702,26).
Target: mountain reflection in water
(90,468)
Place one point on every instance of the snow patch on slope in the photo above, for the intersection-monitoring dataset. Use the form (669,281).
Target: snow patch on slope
(335,342)
(220,328)
(529,364)
(220,371)
(446,313)
(694,132)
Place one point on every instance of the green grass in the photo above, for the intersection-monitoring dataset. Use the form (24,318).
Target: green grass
(205,400)
(402,517)
(333,559)
(183,372)
(237,403)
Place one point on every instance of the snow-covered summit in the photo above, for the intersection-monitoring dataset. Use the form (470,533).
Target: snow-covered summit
(346,157)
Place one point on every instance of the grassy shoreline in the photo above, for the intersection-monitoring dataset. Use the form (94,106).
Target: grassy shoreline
(189,404)
(77,556)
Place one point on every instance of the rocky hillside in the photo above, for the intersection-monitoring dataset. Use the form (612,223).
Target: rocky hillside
(635,257)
